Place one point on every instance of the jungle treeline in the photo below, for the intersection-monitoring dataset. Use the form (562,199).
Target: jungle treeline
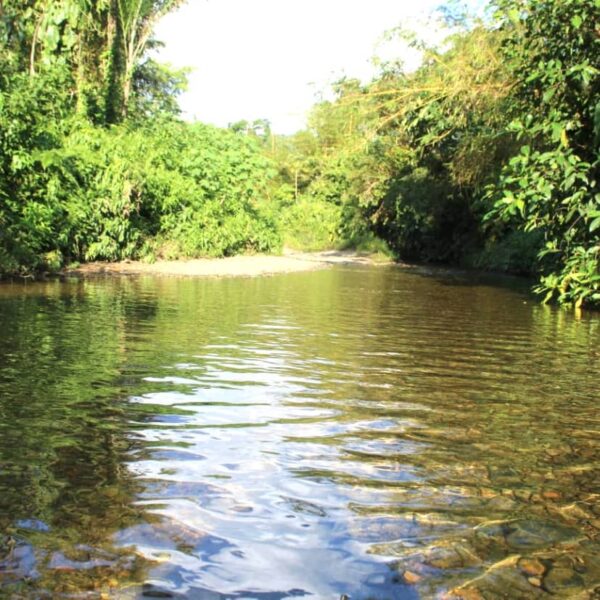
(486,156)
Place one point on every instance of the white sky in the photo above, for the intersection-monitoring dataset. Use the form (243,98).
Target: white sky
(268,58)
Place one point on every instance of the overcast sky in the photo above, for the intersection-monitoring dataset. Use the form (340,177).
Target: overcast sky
(268,58)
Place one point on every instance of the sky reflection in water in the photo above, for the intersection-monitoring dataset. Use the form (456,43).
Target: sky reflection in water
(301,435)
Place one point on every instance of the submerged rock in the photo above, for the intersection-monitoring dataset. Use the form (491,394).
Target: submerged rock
(562,579)
(523,534)
(499,579)
(532,566)
(410,577)
(501,504)
(533,534)
(456,556)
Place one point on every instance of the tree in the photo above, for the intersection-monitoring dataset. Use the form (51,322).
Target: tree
(552,182)
(133,22)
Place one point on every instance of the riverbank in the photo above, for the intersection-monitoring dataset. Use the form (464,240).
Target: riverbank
(233,266)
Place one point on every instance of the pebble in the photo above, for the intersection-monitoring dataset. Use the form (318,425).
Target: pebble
(487,493)
(523,495)
(467,594)
(553,452)
(551,495)
(411,578)
(532,566)
(501,503)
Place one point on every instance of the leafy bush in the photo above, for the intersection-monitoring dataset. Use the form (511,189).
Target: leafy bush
(86,193)
(551,184)
(514,252)
(312,225)
(32,112)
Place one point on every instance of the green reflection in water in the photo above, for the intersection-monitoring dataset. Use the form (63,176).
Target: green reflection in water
(367,431)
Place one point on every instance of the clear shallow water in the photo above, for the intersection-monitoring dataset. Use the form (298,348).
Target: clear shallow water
(362,431)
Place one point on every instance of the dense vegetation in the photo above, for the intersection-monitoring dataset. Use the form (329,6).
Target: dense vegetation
(486,156)
(95,164)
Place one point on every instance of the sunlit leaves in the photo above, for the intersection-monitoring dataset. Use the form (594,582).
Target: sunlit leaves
(552,184)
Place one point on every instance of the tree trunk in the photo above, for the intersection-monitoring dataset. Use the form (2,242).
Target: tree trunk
(113,103)
(34,41)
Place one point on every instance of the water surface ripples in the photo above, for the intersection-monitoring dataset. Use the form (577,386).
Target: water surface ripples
(361,431)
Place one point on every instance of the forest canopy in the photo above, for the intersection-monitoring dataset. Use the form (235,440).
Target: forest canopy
(486,156)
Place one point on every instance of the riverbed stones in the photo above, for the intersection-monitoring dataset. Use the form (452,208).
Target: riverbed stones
(455,556)
(464,594)
(574,512)
(551,494)
(532,567)
(501,504)
(411,578)
(563,578)
(523,495)
(487,493)
(532,534)
(497,580)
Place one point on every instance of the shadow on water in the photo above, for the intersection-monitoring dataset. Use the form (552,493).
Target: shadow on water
(364,431)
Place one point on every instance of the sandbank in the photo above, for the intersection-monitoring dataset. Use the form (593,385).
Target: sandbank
(233,266)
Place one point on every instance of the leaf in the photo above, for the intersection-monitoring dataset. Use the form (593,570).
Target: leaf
(514,15)
(569,181)
(576,21)
(549,94)
(557,130)
(595,224)
(548,297)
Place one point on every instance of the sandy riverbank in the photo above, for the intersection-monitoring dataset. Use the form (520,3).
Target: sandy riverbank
(234,266)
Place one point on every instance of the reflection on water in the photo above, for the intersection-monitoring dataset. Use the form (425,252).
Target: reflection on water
(361,431)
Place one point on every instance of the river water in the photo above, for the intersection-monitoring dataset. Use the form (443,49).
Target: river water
(376,432)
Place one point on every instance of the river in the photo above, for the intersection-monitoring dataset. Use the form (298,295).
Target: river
(374,432)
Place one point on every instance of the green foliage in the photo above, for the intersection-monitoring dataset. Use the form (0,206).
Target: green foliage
(312,225)
(125,191)
(31,121)
(578,281)
(403,156)
(320,174)
(487,155)
(223,209)
(73,188)
(551,184)
(513,252)
(426,219)
(156,88)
